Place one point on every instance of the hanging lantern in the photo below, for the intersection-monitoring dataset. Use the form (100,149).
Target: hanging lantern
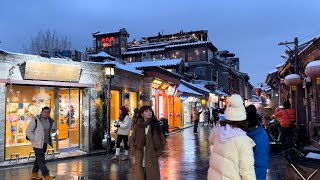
(258,91)
(293,80)
(313,69)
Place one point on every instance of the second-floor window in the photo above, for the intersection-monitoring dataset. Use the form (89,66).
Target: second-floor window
(197,54)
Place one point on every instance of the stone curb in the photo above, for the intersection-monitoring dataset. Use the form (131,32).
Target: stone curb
(11,165)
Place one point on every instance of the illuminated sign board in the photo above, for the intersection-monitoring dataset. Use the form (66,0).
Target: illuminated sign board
(159,84)
(107,41)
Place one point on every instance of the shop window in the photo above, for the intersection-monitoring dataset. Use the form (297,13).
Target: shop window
(23,104)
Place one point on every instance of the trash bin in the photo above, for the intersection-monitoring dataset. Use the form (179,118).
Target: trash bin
(299,166)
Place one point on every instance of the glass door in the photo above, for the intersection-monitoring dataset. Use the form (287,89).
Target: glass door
(85,119)
(69,118)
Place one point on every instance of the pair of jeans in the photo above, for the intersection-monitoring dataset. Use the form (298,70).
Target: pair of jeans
(40,161)
(125,141)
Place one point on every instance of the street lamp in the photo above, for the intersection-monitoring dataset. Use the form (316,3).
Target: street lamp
(109,72)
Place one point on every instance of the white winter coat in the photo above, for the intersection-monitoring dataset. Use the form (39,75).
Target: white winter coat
(231,155)
(125,126)
(36,136)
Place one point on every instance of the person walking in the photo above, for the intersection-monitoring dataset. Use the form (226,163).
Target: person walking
(231,149)
(287,119)
(262,149)
(147,144)
(215,115)
(39,133)
(123,132)
(195,119)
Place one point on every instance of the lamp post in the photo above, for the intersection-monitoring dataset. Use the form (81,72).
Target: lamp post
(109,72)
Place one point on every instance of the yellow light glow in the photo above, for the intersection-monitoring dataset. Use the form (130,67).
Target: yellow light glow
(293,88)
(203,102)
(318,81)
(157,81)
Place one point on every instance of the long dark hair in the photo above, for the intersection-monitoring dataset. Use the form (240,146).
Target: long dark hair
(154,121)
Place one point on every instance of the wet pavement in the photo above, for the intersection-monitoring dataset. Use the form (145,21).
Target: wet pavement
(186,157)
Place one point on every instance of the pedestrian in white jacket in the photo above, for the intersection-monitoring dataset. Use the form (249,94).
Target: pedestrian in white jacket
(39,133)
(123,132)
(231,149)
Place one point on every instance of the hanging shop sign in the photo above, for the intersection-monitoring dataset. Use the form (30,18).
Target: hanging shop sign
(52,72)
(159,84)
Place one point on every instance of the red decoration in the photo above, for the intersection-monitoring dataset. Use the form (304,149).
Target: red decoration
(258,91)
(313,69)
(293,80)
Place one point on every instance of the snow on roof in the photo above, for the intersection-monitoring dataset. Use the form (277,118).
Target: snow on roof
(143,51)
(164,62)
(102,54)
(185,89)
(280,65)
(34,56)
(221,93)
(198,86)
(149,45)
(274,71)
(118,66)
(188,44)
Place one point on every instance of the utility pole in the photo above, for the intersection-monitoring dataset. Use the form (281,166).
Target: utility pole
(298,104)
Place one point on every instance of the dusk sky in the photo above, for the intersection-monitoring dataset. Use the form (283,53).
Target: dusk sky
(251,29)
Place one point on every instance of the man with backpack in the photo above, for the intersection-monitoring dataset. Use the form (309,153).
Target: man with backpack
(39,133)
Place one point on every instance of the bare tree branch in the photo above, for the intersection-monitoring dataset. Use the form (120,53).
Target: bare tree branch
(49,40)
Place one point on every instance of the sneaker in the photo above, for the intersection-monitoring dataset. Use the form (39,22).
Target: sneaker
(195,133)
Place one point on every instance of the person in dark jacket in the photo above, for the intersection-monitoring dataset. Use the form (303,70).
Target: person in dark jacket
(262,149)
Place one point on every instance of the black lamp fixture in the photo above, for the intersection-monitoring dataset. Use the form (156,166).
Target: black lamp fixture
(109,72)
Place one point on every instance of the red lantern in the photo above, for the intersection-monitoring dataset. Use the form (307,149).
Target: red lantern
(293,80)
(258,91)
(313,69)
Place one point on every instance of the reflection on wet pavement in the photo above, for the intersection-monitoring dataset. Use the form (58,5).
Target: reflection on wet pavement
(186,157)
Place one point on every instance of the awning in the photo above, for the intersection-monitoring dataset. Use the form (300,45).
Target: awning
(184,89)
(221,93)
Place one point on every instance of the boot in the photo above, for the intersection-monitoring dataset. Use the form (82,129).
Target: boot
(35,176)
(49,177)
(116,157)
(126,155)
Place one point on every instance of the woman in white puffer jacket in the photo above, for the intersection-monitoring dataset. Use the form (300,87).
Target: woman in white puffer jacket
(231,149)
(123,132)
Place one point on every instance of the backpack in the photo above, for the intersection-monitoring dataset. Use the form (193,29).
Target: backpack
(33,130)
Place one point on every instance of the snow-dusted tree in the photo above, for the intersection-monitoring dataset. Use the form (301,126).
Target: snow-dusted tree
(48,40)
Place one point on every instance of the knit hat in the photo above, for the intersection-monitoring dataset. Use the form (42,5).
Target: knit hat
(124,110)
(235,110)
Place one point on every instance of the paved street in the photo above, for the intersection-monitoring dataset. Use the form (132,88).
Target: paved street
(186,157)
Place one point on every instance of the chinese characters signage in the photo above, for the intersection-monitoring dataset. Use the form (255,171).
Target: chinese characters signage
(107,41)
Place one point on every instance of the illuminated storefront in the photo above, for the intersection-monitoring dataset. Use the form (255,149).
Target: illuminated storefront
(166,104)
(25,102)
(73,91)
